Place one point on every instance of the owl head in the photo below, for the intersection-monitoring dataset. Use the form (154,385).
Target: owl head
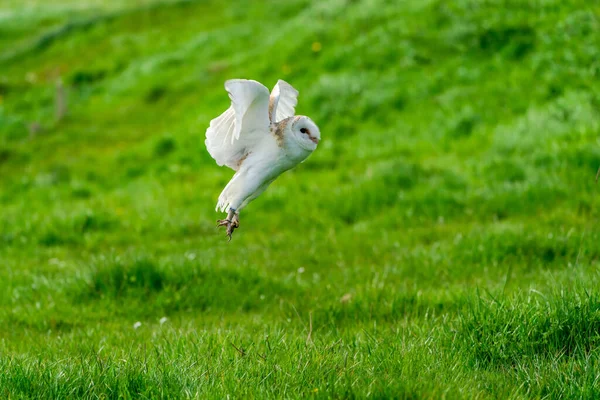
(306,132)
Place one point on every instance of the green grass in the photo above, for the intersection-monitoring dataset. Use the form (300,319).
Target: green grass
(443,241)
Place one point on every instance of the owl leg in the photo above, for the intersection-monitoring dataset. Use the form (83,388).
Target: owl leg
(235,223)
(231,222)
(236,220)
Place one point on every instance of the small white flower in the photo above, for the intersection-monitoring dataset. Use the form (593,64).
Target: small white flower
(137,325)
(163,320)
(301,270)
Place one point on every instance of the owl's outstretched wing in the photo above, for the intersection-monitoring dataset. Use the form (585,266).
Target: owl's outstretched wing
(231,136)
(283,101)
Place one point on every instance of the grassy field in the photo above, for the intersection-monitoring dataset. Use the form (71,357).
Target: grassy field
(443,240)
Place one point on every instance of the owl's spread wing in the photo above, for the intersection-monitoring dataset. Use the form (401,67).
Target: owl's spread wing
(231,136)
(283,101)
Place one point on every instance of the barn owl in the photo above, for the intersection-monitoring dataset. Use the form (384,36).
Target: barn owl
(258,137)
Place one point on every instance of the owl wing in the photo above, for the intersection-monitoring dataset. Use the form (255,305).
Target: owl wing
(283,101)
(233,134)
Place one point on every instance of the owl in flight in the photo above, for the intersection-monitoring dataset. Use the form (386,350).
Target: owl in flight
(258,137)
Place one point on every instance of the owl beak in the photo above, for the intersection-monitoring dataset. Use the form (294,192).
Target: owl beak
(314,139)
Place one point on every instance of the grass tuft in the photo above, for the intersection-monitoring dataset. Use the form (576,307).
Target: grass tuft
(508,332)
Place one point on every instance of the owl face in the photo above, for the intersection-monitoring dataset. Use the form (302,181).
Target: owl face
(306,132)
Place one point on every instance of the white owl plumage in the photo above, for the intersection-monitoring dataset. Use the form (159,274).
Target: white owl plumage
(259,137)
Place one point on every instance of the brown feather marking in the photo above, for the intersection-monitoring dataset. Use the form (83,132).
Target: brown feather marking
(279,129)
(271,105)
(239,163)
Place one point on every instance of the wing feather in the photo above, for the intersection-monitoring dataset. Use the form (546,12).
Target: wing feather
(232,135)
(284,99)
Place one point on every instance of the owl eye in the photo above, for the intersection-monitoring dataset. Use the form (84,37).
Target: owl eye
(304,130)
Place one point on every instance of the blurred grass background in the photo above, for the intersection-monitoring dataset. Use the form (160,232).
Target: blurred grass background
(443,240)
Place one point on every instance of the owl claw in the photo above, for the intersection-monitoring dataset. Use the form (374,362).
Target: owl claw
(223,222)
(232,222)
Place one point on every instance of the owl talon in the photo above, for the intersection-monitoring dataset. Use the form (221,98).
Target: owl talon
(223,222)
(235,223)
(231,222)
